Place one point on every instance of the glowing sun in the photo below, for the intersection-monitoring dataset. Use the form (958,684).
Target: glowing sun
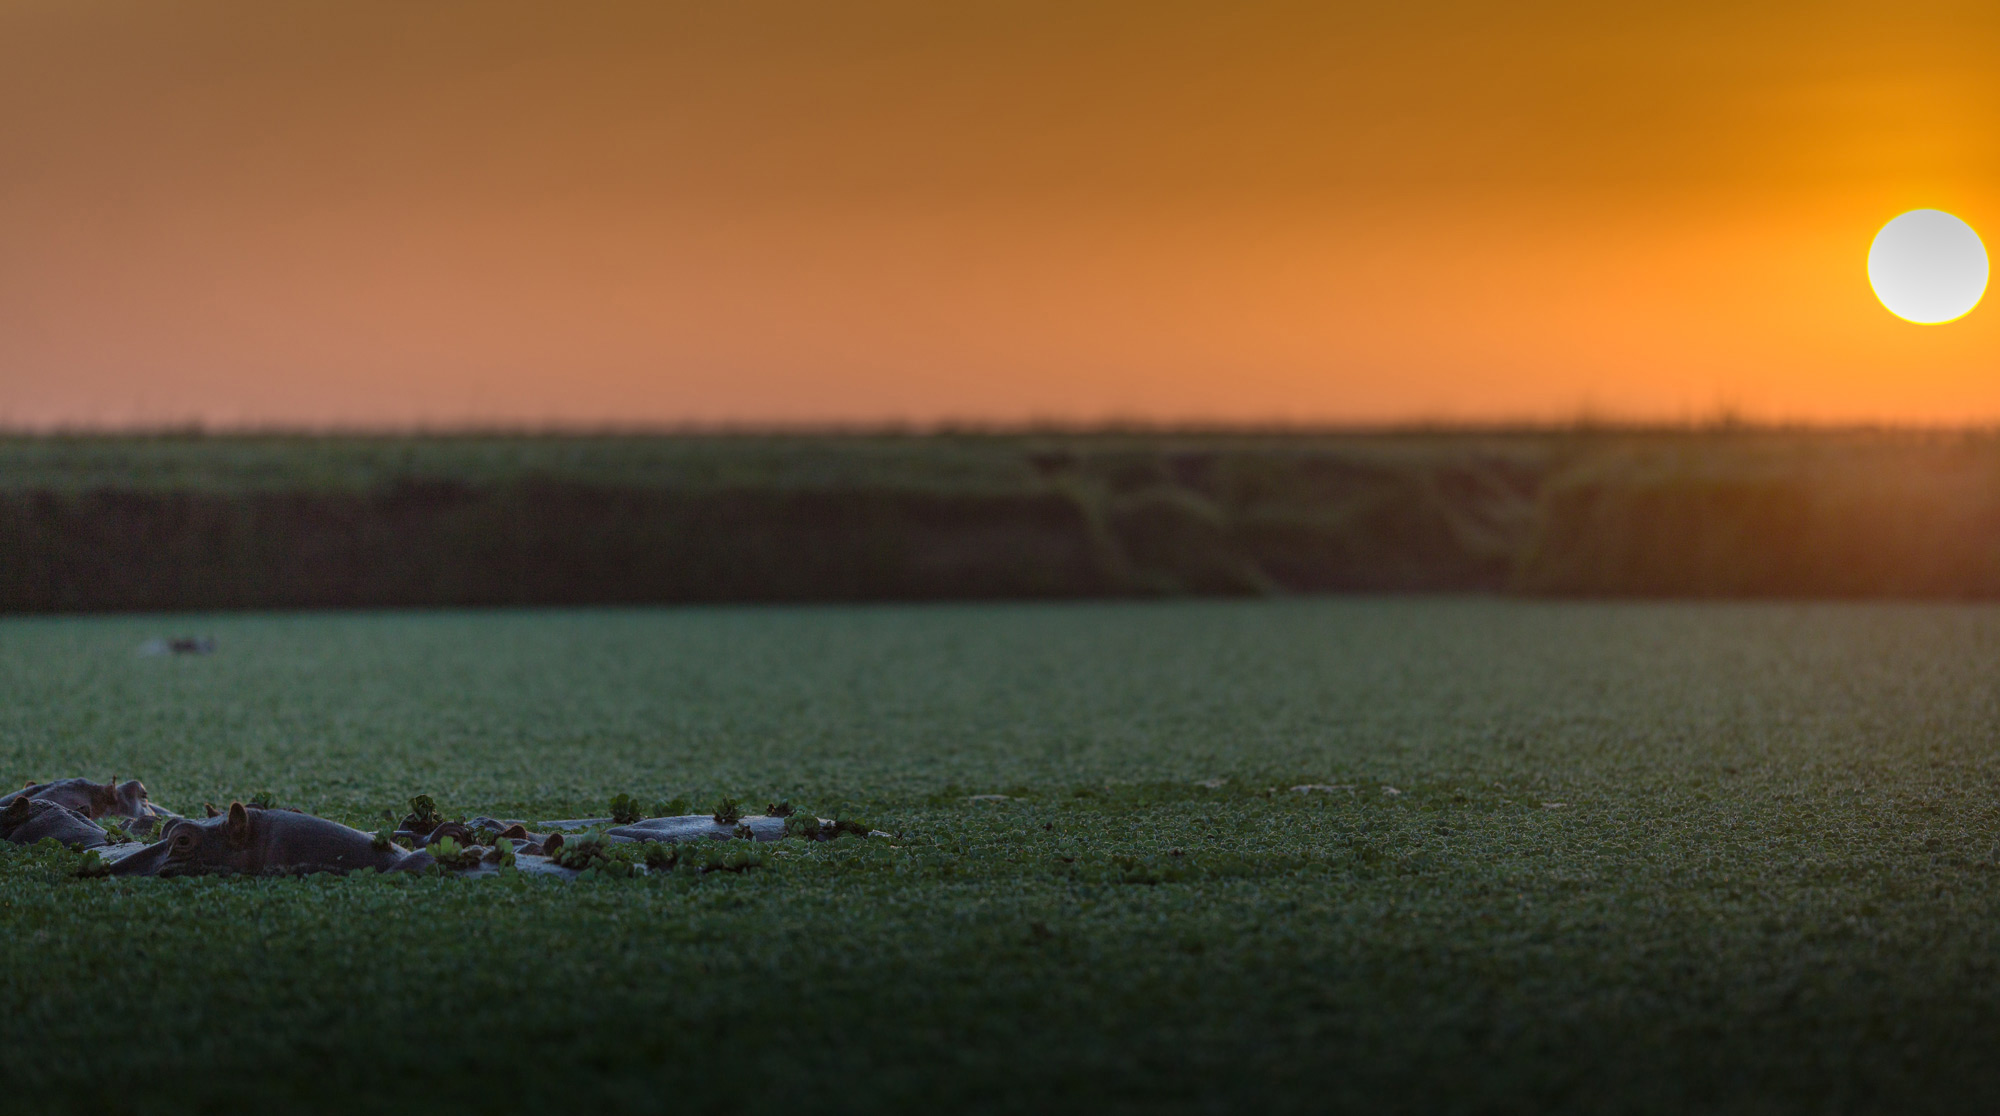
(1927,266)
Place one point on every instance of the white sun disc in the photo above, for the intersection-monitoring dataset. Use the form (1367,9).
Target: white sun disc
(1927,266)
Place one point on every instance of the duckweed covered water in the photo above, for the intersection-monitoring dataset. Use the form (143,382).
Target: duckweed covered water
(1554,857)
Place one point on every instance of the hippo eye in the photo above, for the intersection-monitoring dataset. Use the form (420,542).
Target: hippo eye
(183,840)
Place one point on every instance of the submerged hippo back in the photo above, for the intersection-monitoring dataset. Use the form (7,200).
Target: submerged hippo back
(246,841)
(694,827)
(28,820)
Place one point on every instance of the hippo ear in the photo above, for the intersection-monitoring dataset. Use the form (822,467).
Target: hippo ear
(210,807)
(238,826)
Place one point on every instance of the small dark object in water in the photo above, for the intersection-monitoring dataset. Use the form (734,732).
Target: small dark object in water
(457,831)
(515,831)
(179,645)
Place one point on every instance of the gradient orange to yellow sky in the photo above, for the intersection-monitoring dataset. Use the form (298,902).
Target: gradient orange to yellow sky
(346,213)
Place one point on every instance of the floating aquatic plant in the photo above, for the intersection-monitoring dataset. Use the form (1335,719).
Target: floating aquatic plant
(625,809)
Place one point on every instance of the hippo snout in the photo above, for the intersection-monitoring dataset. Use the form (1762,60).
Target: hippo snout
(147,862)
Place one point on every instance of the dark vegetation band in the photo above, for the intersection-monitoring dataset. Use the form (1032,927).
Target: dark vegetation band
(217,522)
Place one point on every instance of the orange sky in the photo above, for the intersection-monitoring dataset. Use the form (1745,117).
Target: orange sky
(430,212)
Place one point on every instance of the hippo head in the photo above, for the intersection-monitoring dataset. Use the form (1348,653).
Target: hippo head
(252,841)
(219,844)
(16,815)
(90,799)
(130,801)
(197,847)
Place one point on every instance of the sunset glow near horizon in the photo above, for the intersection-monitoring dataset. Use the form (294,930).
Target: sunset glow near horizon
(369,214)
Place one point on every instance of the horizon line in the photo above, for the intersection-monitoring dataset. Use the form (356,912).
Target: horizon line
(1588,425)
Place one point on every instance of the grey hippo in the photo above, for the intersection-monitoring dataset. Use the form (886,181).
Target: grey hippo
(28,820)
(245,840)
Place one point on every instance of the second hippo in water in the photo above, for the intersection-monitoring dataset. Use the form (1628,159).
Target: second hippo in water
(28,820)
(253,842)
(79,794)
(694,827)
(126,800)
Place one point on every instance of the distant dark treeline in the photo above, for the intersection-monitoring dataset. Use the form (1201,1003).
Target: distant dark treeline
(207,523)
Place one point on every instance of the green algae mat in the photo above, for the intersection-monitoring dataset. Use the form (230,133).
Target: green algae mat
(1424,855)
